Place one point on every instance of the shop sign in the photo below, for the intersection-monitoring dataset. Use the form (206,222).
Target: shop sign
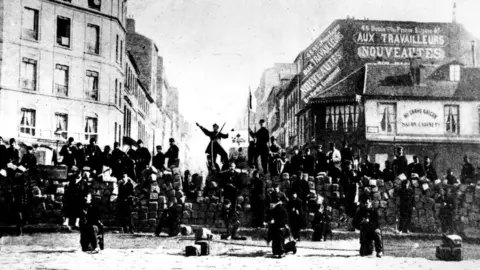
(425,119)
(400,42)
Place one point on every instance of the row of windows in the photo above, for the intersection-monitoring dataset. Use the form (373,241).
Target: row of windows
(28,125)
(93,4)
(30,30)
(28,79)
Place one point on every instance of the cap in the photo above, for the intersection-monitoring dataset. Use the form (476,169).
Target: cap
(262,121)
(171,140)
(139,141)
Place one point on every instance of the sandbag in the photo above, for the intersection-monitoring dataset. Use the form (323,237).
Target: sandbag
(203,234)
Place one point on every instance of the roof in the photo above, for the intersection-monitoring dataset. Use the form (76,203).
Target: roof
(344,90)
(395,81)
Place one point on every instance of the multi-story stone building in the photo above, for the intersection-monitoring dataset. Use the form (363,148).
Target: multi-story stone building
(59,64)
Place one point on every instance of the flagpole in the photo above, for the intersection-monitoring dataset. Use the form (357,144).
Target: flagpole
(248,109)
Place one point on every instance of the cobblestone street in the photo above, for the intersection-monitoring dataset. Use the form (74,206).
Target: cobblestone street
(62,251)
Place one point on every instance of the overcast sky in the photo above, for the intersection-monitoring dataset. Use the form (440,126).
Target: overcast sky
(215,49)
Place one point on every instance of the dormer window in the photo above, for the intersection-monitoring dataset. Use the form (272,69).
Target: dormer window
(454,73)
(95,4)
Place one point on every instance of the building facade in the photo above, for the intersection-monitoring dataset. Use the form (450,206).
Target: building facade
(58,67)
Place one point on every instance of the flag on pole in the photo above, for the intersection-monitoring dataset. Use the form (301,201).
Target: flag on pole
(250,100)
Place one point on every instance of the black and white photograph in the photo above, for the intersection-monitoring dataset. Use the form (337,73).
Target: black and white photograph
(240,134)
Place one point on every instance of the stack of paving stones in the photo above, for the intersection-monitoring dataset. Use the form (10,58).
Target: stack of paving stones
(204,208)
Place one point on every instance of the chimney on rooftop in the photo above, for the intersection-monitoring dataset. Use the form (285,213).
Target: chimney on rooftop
(130,25)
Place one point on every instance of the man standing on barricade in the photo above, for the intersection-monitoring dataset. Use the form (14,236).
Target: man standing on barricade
(400,163)
(67,152)
(214,148)
(262,136)
(143,158)
(159,159)
(172,154)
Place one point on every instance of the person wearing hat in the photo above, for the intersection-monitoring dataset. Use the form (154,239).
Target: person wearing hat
(230,217)
(274,156)
(277,227)
(321,164)
(308,163)
(257,199)
(118,161)
(295,215)
(172,154)
(296,162)
(91,227)
(22,196)
(262,137)
(143,158)
(29,160)
(13,155)
(407,204)
(214,146)
(125,203)
(400,163)
(416,168)
(171,219)
(334,158)
(93,156)
(80,156)
(159,159)
(430,171)
(349,189)
(366,220)
(67,153)
(468,172)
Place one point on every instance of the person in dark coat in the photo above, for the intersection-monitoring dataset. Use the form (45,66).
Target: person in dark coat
(278,228)
(93,156)
(214,148)
(257,200)
(468,172)
(143,158)
(231,219)
(118,159)
(346,152)
(349,189)
(416,167)
(22,198)
(451,179)
(366,169)
(277,195)
(13,155)
(295,215)
(79,155)
(3,154)
(321,224)
(321,164)
(67,152)
(230,191)
(76,193)
(309,163)
(91,228)
(252,154)
(387,174)
(261,136)
(406,207)
(106,157)
(29,160)
(447,212)
(125,205)
(159,159)
(400,163)
(429,169)
(296,162)
(172,154)
(366,220)
(170,219)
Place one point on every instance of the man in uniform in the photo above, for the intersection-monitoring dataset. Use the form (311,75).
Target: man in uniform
(22,197)
(172,154)
(416,167)
(366,220)
(274,155)
(93,156)
(125,203)
(257,199)
(349,187)
(262,136)
(334,159)
(118,161)
(13,155)
(400,163)
(320,160)
(430,171)
(214,148)
(79,155)
(67,153)
(159,159)
(143,158)
(309,163)
(296,162)
(407,204)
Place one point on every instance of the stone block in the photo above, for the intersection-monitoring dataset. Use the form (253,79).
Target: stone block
(153,206)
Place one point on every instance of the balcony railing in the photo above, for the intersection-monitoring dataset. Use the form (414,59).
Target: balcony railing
(49,134)
(62,90)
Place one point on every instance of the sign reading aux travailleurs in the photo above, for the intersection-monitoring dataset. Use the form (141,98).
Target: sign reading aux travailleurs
(400,42)
(321,61)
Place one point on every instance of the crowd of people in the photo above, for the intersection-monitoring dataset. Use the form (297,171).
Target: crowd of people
(283,207)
